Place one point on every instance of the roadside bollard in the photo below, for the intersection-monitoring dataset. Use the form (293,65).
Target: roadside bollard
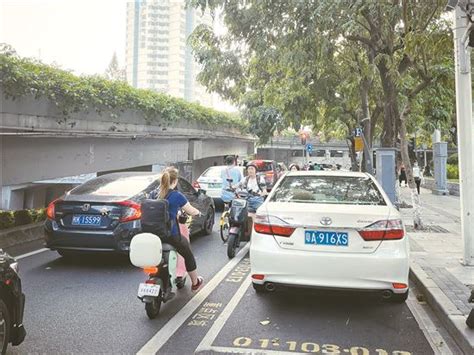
(470,317)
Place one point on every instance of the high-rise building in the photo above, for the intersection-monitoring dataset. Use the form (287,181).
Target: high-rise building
(157,54)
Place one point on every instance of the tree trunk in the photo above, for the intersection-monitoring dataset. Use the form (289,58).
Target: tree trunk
(365,119)
(364,97)
(415,198)
(391,113)
(354,165)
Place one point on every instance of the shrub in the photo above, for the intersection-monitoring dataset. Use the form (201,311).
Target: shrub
(22,217)
(9,219)
(40,215)
(6,219)
(71,93)
(453,159)
(453,171)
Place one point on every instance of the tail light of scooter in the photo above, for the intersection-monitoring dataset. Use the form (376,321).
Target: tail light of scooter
(265,224)
(151,270)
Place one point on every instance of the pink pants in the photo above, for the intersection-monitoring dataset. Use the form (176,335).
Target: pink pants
(181,268)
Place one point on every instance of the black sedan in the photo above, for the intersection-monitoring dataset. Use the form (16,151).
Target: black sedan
(103,214)
(12,303)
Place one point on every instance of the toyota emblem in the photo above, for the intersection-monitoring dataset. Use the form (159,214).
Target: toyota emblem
(86,207)
(325,221)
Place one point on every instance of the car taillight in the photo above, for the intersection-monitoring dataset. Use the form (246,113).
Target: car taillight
(273,226)
(51,210)
(131,212)
(196,185)
(391,229)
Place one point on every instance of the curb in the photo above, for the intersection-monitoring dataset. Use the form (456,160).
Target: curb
(450,316)
(22,234)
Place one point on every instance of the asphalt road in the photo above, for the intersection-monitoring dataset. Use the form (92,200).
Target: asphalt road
(89,305)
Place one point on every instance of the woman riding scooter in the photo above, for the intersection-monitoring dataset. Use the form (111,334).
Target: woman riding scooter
(256,187)
(177,201)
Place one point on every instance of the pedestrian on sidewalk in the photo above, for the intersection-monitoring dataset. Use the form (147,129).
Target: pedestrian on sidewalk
(402,176)
(418,175)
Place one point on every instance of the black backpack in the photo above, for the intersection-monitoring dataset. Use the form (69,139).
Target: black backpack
(155,217)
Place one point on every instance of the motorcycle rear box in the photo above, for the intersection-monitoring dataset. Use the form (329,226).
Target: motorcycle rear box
(146,250)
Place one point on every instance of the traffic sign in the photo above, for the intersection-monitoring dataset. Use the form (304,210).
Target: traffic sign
(358,132)
(309,148)
(359,144)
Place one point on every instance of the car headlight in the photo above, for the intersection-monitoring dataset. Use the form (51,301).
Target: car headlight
(14,266)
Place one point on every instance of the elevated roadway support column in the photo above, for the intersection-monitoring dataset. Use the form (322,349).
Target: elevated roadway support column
(465,128)
(386,174)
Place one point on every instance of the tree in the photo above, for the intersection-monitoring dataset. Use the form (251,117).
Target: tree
(335,63)
(113,71)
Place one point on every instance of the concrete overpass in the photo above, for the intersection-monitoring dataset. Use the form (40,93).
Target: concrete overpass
(37,143)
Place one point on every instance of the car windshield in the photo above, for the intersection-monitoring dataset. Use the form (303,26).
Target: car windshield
(214,172)
(114,186)
(346,190)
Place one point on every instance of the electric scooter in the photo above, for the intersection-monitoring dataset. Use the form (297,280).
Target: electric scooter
(159,261)
(238,215)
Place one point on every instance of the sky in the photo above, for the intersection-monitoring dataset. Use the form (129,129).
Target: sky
(79,35)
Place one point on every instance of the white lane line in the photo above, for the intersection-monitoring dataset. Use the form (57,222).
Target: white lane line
(165,333)
(436,340)
(206,342)
(31,253)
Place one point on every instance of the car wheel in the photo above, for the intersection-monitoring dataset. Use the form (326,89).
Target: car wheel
(209,222)
(399,297)
(258,288)
(5,327)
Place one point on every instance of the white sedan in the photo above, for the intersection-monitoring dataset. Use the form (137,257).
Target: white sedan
(211,181)
(334,230)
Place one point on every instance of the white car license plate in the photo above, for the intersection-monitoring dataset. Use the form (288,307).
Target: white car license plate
(148,290)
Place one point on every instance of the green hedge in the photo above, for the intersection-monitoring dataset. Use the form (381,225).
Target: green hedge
(10,219)
(70,93)
(453,171)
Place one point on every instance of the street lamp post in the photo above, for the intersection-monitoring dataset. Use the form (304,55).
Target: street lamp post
(465,132)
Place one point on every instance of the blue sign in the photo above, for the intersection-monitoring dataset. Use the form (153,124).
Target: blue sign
(358,132)
(309,147)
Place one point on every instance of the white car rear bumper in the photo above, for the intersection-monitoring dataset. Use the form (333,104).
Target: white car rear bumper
(375,271)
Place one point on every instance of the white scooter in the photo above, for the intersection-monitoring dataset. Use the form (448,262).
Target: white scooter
(149,253)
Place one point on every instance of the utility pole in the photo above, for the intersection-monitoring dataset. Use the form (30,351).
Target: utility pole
(465,130)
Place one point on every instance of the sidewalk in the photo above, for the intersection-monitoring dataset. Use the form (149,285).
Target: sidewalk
(436,255)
